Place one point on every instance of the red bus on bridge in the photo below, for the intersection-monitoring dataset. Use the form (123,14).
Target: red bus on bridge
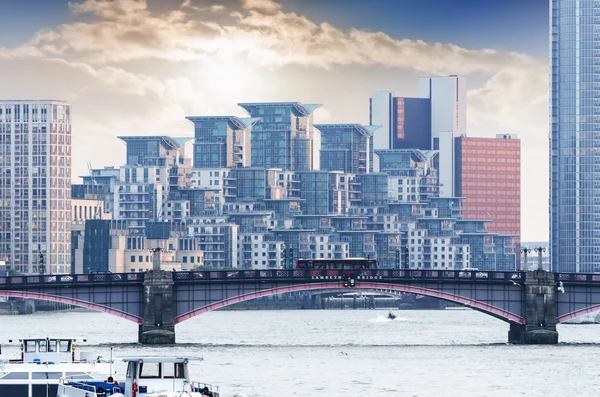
(337,264)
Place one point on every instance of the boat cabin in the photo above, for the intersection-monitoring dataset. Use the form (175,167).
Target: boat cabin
(149,376)
(48,350)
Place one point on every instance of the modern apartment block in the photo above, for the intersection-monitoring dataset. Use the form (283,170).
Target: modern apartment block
(574,144)
(347,147)
(222,141)
(35,186)
(156,166)
(430,122)
(284,137)
(412,176)
(488,176)
(405,122)
(114,249)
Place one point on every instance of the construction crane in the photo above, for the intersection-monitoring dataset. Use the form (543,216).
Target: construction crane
(98,209)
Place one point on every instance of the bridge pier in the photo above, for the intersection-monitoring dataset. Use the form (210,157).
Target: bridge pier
(158,327)
(540,311)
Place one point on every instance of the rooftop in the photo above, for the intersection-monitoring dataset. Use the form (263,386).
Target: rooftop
(167,141)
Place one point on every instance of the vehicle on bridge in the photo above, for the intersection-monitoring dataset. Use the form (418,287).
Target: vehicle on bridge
(43,362)
(146,377)
(337,264)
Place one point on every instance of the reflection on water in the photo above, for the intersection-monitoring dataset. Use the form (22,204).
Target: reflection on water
(337,353)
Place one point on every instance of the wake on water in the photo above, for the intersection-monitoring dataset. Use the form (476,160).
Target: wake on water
(385,319)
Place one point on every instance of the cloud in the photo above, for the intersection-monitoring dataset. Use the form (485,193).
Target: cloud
(212,8)
(127,69)
(268,6)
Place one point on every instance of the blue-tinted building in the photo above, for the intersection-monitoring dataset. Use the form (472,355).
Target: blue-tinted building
(347,147)
(406,122)
(575,143)
(221,141)
(284,136)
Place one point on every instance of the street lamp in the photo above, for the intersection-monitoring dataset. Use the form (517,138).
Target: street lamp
(526,251)
(539,250)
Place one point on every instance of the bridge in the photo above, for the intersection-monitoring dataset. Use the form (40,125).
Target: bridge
(532,302)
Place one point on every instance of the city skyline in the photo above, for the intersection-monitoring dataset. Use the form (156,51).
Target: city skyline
(202,58)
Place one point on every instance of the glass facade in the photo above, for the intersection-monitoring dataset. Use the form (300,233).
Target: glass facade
(488,177)
(346,147)
(35,185)
(575,136)
(221,142)
(283,137)
(411,127)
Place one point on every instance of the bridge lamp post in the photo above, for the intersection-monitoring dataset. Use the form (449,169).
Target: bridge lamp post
(526,251)
(539,250)
(41,262)
(406,257)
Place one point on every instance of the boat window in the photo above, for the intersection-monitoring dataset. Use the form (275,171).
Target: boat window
(173,370)
(43,347)
(46,375)
(52,344)
(150,370)
(29,346)
(63,346)
(16,375)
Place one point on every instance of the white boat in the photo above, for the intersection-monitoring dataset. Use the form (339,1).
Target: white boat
(146,377)
(43,363)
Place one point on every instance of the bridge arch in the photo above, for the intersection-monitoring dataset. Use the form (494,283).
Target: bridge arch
(71,301)
(476,305)
(577,313)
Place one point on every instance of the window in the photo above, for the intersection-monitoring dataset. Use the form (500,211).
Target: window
(46,375)
(149,370)
(173,371)
(16,375)
(140,258)
(64,346)
(52,345)
(43,346)
(30,346)
(132,258)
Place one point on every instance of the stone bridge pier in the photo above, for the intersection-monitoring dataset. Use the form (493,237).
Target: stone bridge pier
(539,297)
(158,327)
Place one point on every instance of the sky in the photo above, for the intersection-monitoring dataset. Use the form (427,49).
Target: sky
(138,67)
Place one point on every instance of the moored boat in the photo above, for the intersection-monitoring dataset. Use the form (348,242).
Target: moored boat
(41,365)
(145,377)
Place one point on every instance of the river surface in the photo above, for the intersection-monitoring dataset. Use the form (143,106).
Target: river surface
(340,353)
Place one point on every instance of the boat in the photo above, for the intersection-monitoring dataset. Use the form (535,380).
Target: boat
(145,377)
(391,316)
(41,365)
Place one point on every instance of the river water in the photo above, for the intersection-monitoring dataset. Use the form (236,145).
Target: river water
(335,353)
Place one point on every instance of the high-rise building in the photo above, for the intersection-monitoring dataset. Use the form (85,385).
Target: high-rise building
(405,122)
(35,186)
(448,121)
(488,176)
(284,136)
(575,141)
(347,147)
(221,141)
(430,122)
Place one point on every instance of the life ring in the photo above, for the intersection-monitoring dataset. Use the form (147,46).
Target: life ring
(134,389)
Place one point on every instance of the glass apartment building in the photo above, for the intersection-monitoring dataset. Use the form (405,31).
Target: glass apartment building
(284,137)
(347,147)
(575,136)
(35,186)
(221,141)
